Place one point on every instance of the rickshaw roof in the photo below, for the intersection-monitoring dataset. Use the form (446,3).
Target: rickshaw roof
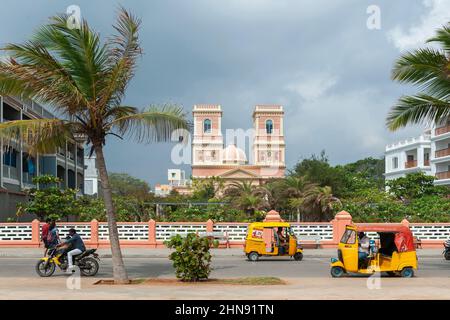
(269,224)
(384,228)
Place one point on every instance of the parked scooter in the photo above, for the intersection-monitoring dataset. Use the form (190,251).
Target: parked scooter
(446,251)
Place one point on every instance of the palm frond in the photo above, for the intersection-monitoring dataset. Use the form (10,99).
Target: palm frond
(442,37)
(125,49)
(78,49)
(154,125)
(38,135)
(417,110)
(427,68)
(38,76)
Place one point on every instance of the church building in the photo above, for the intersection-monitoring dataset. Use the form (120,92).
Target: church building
(210,156)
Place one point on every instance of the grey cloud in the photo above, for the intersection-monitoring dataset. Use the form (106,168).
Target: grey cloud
(241,53)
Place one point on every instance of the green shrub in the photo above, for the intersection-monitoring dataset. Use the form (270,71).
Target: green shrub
(216,243)
(191,258)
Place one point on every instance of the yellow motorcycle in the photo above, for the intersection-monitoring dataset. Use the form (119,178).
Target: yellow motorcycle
(87,261)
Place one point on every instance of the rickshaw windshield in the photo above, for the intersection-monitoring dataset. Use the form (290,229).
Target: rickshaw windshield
(349,236)
(290,231)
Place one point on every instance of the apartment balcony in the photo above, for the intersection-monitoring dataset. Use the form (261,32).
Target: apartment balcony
(10,172)
(442,130)
(411,164)
(426,163)
(443,153)
(443,175)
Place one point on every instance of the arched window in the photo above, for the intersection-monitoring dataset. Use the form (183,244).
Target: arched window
(207,126)
(269,126)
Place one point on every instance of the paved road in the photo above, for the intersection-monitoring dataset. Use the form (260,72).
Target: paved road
(308,279)
(231,266)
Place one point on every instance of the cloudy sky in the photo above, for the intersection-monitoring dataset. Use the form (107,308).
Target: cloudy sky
(317,58)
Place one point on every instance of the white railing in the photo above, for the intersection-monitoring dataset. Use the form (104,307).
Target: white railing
(166,230)
(235,232)
(431,232)
(325,231)
(15,232)
(126,231)
(143,233)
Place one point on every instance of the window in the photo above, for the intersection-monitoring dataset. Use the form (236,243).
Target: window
(207,126)
(269,126)
(395,163)
(349,236)
(10,158)
(28,165)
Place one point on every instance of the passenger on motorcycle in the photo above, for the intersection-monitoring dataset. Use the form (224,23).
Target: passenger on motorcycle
(76,247)
(52,235)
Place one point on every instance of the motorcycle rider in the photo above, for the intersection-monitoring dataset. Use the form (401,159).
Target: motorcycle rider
(76,247)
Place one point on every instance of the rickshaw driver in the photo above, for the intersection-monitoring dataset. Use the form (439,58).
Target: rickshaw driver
(363,248)
(282,241)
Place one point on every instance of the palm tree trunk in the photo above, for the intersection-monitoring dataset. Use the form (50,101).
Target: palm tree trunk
(298,214)
(119,271)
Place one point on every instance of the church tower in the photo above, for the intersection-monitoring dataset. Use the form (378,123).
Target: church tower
(207,143)
(268,142)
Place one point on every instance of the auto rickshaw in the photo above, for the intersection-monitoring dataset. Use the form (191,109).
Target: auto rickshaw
(394,253)
(263,239)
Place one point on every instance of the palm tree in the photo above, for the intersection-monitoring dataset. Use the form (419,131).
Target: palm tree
(324,200)
(245,196)
(271,193)
(429,69)
(85,82)
(298,190)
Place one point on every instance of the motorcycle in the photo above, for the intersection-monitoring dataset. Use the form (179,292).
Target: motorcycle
(87,261)
(446,251)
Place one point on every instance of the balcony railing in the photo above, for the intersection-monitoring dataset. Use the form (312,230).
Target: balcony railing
(442,130)
(443,153)
(443,175)
(411,164)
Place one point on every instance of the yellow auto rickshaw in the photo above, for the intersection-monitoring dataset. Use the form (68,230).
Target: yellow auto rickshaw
(271,239)
(393,253)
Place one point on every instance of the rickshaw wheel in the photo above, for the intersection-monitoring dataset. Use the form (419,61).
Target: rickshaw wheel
(407,272)
(253,256)
(447,255)
(337,272)
(298,256)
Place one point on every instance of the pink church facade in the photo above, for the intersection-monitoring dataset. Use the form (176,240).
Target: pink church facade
(210,157)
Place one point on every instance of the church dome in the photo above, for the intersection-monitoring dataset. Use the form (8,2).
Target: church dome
(233,154)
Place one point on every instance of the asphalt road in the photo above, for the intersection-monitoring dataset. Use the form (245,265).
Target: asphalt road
(223,267)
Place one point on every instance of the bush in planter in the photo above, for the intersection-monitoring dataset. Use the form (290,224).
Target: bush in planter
(191,258)
(216,243)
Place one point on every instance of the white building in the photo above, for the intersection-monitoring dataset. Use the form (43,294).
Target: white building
(440,151)
(91,176)
(407,156)
(176,177)
(428,153)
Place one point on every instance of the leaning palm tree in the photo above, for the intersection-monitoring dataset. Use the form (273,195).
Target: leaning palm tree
(429,69)
(84,81)
(324,201)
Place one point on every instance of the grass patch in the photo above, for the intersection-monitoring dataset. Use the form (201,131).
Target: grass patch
(248,281)
(253,281)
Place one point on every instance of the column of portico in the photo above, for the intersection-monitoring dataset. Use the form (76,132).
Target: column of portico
(420,156)
(402,160)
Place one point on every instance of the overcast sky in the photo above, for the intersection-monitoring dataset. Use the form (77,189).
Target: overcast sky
(317,58)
